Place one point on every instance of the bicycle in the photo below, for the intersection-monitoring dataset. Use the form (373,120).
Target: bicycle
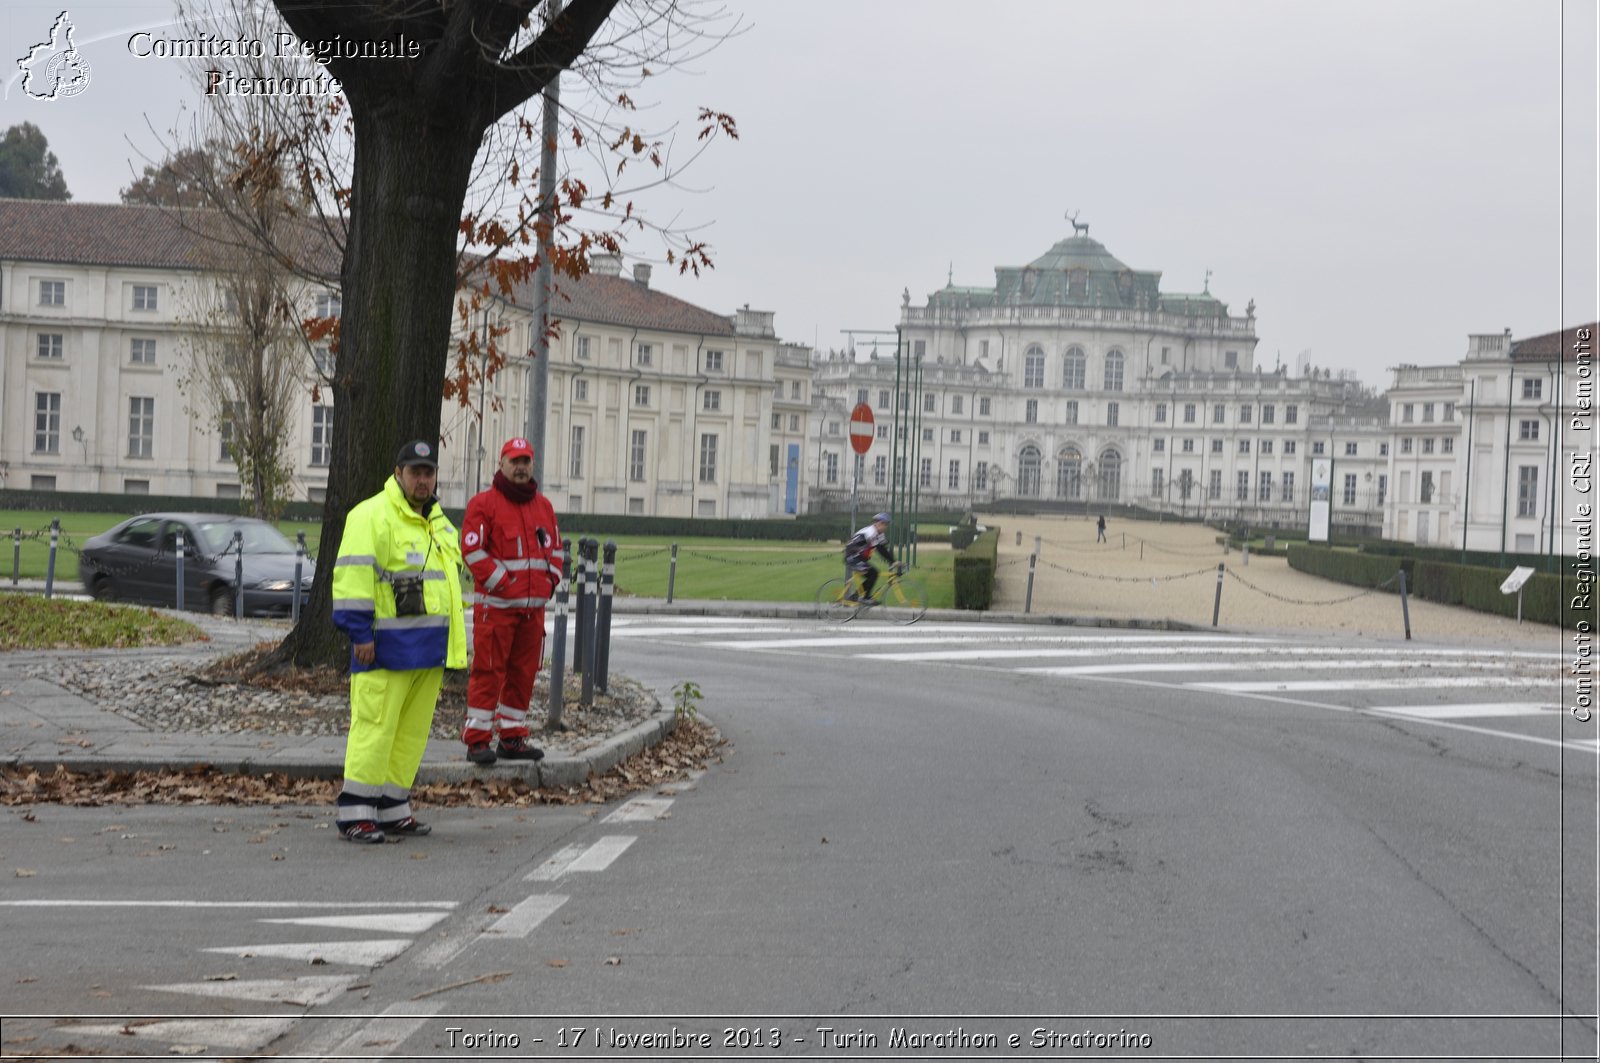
(901,598)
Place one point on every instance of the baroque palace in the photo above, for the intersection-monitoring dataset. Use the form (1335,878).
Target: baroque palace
(1074,383)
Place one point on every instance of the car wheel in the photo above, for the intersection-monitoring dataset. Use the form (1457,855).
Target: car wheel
(103,588)
(221,601)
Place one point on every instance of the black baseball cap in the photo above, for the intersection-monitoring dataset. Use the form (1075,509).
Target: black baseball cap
(417,452)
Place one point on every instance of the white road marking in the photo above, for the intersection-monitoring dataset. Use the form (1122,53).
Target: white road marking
(98,903)
(599,856)
(556,866)
(935,636)
(1252,666)
(221,1032)
(640,808)
(397,923)
(354,953)
(521,920)
(1178,650)
(1485,708)
(305,992)
(1367,684)
(391,1028)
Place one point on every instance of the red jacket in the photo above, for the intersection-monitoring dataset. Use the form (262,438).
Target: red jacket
(513,550)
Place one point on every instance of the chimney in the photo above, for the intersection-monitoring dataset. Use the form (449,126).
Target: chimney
(641,274)
(606,265)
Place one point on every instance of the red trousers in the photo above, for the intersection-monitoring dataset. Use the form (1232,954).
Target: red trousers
(507,648)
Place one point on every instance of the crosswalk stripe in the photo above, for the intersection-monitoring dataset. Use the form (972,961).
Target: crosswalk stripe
(308,991)
(1484,708)
(935,636)
(354,953)
(396,923)
(221,1032)
(390,1028)
(1495,658)
(640,808)
(529,913)
(1253,666)
(555,866)
(599,856)
(1271,686)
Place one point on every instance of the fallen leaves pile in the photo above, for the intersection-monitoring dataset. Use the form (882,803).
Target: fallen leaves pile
(692,746)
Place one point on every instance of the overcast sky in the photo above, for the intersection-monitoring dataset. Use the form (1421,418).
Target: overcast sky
(1382,178)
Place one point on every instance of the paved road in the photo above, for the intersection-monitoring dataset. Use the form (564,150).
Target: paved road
(1074,829)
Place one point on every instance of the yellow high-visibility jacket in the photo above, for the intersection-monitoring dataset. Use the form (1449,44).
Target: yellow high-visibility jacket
(384,538)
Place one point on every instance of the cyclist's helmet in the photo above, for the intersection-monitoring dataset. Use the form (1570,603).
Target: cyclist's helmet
(881,518)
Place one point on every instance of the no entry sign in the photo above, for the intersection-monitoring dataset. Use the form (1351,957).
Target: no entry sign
(861,428)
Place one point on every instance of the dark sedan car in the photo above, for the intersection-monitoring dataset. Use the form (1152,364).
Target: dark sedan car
(137,561)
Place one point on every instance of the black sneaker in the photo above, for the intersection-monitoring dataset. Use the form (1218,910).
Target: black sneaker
(410,825)
(519,749)
(481,753)
(363,831)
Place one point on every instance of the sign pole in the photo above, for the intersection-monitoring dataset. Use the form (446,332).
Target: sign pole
(861,434)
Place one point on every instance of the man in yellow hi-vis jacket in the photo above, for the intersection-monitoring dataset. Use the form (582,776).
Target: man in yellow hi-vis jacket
(397,594)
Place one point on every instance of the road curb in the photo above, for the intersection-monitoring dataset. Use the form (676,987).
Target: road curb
(552,772)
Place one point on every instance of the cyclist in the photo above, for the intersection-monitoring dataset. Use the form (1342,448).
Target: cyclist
(858,553)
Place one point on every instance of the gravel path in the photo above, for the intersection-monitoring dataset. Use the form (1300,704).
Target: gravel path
(1153,570)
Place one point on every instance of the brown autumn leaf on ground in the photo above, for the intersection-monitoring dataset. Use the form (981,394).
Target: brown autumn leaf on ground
(692,746)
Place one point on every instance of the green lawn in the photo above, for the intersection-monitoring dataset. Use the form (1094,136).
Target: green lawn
(733,569)
(35,624)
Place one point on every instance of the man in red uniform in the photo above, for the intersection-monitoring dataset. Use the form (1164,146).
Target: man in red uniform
(510,542)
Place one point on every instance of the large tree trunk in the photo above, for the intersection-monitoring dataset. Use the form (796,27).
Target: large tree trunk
(413,162)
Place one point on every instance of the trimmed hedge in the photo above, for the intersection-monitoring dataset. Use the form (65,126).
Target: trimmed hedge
(974,571)
(1479,588)
(1475,587)
(89,502)
(1347,566)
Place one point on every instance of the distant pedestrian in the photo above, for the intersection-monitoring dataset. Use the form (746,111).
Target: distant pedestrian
(510,542)
(1100,529)
(397,595)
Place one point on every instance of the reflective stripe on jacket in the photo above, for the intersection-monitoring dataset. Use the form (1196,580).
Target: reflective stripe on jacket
(384,538)
(513,550)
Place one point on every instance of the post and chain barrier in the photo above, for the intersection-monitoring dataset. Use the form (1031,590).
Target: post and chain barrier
(558,643)
(590,549)
(672,572)
(602,655)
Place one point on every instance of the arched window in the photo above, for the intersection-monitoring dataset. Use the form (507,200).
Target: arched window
(1028,471)
(1072,369)
(1114,370)
(1069,473)
(1110,475)
(1033,367)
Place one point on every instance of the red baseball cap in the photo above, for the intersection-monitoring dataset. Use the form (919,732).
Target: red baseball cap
(517,448)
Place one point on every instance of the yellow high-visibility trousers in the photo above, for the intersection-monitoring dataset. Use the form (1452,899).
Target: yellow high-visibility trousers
(391,714)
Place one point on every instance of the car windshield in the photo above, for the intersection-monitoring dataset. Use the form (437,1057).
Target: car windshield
(259,538)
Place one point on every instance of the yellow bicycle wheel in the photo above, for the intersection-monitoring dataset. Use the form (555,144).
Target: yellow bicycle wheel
(905,601)
(831,603)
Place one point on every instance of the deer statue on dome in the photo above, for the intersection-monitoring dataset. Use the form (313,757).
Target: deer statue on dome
(1077,226)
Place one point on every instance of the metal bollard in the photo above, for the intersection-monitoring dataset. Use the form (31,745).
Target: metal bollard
(1216,609)
(1027,602)
(50,566)
(180,569)
(583,624)
(602,622)
(1405,608)
(238,574)
(16,556)
(672,572)
(1141,549)
(1246,555)
(1019,536)
(1037,543)
(591,548)
(558,642)
(299,569)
